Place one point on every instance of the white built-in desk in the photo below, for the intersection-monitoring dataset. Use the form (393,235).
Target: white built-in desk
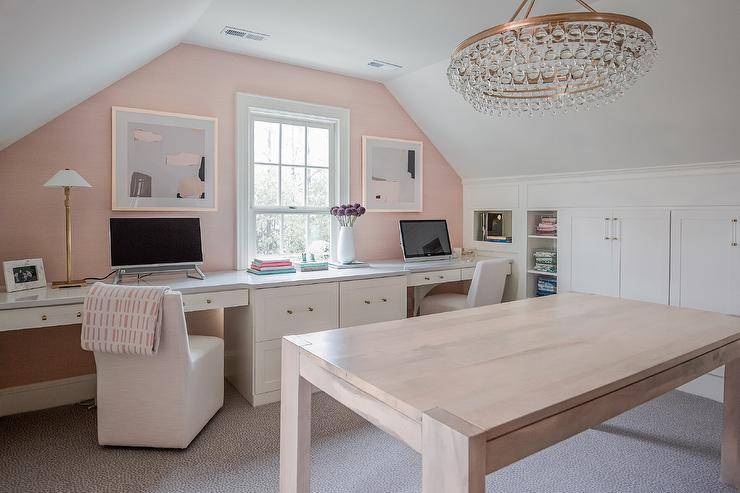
(259,310)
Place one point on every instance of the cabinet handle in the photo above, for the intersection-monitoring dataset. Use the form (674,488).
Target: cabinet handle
(606,229)
(426,278)
(614,228)
(384,300)
(43,317)
(208,301)
(367,302)
(79,314)
(310,308)
(441,277)
(290,312)
(734,232)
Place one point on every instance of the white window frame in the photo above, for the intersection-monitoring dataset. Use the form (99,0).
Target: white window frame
(250,107)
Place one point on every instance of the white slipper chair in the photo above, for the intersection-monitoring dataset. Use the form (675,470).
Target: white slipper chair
(486,288)
(162,400)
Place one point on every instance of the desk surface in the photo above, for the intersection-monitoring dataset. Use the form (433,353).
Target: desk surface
(230,280)
(506,366)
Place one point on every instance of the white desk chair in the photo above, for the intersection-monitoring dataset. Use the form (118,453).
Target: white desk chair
(486,288)
(162,400)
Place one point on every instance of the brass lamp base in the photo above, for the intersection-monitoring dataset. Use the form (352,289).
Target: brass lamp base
(68,284)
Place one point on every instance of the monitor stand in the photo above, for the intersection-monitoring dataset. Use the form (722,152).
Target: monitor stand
(191,270)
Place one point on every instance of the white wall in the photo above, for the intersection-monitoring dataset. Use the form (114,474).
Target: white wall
(684,111)
(705,186)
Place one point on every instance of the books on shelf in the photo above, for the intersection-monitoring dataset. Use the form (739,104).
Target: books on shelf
(352,265)
(263,267)
(546,286)
(311,266)
(545,261)
(547,226)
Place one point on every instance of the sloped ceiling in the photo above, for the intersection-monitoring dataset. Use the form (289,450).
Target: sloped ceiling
(55,54)
(686,111)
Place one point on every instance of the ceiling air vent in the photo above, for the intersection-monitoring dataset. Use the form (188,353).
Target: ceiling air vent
(381,64)
(243,33)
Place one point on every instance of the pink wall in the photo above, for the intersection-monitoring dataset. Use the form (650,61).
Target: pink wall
(193,80)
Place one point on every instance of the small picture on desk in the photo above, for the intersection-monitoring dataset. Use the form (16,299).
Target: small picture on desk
(24,274)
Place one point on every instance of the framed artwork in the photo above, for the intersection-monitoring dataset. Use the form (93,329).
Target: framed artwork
(392,174)
(24,274)
(164,161)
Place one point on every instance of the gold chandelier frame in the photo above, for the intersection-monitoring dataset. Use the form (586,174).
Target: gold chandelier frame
(553,19)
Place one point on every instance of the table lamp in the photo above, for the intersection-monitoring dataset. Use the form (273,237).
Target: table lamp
(67,179)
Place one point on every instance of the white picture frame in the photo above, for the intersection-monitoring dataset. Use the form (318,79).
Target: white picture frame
(24,274)
(392,174)
(163,161)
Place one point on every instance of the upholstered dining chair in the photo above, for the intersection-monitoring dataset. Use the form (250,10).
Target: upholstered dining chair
(163,400)
(486,288)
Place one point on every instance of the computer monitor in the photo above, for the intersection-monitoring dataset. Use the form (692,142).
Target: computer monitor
(155,242)
(425,239)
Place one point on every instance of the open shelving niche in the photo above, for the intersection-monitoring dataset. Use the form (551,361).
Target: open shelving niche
(535,242)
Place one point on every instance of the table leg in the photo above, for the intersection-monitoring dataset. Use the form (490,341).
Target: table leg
(730,468)
(453,456)
(295,423)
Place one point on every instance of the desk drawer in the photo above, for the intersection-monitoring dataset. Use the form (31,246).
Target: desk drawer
(295,310)
(372,300)
(48,316)
(433,277)
(216,299)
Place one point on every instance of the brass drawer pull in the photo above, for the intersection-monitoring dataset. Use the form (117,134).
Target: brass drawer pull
(44,317)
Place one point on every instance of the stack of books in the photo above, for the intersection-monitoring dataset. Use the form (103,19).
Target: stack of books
(546,287)
(546,261)
(547,226)
(311,265)
(263,267)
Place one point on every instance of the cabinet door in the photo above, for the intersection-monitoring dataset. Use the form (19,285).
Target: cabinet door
(704,262)
(642,239)
(586,252)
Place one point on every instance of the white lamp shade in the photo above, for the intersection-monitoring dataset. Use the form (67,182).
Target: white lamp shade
(67,178)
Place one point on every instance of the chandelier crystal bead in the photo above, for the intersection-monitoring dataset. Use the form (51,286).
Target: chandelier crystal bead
(552,63)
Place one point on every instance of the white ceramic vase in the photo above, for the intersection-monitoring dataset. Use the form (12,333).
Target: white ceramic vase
(346,245)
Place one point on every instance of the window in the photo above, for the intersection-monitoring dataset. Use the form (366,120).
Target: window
(289,175)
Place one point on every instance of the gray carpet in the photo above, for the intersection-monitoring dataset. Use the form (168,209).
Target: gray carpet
(668,445)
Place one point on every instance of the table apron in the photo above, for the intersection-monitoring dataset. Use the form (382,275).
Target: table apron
(376,412)
(523,442)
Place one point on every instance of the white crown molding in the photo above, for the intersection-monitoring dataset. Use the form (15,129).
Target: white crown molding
(724,167)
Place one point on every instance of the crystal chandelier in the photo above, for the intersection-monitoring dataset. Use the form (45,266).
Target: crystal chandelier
(552,62)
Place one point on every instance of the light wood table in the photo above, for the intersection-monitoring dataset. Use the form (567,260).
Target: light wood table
(478,389)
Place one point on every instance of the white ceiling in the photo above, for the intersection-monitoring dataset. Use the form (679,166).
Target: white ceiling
(55,54)
(686,111)
(343,36)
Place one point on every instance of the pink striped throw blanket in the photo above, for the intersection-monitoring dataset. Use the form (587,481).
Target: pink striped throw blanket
(122,319)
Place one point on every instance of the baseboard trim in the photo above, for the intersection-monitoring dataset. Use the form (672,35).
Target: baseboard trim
(44,395)
(710,386)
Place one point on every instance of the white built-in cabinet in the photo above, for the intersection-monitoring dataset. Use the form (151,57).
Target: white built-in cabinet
(253,343)
(615,252)
(705,271)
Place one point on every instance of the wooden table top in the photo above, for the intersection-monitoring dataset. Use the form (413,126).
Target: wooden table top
(505,366)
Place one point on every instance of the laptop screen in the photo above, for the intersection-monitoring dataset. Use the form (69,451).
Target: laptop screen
(425,238)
